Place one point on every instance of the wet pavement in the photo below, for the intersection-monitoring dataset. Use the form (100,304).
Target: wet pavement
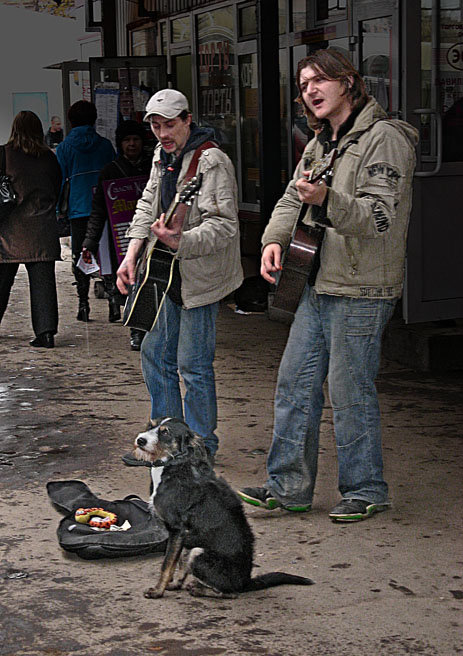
(392,585)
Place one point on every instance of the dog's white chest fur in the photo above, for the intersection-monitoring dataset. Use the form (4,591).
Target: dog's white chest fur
(156,473)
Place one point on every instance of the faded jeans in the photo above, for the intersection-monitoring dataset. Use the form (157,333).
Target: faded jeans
(338,337)
(183,342)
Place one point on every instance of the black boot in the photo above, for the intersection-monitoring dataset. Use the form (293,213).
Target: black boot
(83,313)
(44,340)
(136,338)
(113,298)
(83,285)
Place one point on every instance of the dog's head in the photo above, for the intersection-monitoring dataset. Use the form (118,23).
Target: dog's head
(167,439)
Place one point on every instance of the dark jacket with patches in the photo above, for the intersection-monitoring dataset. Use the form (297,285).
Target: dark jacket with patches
(368,207)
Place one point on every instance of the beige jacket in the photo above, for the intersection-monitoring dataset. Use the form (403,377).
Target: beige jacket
(369,203)
(209,249)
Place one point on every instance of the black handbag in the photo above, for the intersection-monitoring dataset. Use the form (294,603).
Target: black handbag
(62,216)
(8,196)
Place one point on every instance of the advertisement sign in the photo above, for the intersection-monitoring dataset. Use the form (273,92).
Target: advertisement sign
(121,198)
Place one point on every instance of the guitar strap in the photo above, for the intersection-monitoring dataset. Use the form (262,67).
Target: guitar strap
(197,154)
(173,288)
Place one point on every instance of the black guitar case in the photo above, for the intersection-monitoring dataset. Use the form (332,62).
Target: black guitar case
(146,535)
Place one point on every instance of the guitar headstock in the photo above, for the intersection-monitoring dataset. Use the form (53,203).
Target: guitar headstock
(190,189)
(322,167)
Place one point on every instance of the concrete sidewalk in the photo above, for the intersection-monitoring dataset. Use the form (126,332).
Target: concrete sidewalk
(391,585)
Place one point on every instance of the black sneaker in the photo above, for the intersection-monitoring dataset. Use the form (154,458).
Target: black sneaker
(355,510)
(261,497)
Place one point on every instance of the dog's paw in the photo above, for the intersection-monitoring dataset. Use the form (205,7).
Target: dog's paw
(153,593)
(174,585)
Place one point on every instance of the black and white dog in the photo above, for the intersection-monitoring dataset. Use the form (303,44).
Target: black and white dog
(202,514)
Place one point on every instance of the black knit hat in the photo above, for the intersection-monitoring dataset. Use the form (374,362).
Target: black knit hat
(127,128)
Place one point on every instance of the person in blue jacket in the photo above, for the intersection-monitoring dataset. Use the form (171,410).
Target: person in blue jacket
(81,156)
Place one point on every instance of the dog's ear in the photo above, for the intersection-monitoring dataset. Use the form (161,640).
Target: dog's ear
(155,422)
(185,438)
(197,444)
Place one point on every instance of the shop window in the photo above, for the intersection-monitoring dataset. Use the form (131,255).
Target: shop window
(163,38)
(282,14)
(181,65)
(299,15)
(142,42)
(300,130)
(445,93)
(249,116)
(330,9)
(284,81)
(376,59)
(247,21)
(217,73)
(181,29)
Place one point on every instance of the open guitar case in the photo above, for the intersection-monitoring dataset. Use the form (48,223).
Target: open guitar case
(146,534)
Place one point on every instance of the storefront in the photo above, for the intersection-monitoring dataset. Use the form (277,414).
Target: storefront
(236,62)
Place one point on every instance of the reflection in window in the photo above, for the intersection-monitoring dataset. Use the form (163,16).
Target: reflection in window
(247,21)
(330,9)
(217,71)
(299,15)
(449,82)
(142,42)
(301,131)
(376,59)
(284,81)
(249,115)
(181,29)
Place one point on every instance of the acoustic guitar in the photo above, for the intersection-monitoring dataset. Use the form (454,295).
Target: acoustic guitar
(155,268)
(298,259)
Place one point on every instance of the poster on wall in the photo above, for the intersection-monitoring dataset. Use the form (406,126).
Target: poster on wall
(107,107)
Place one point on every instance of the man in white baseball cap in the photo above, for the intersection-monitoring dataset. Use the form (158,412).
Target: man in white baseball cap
(207,263)
(168,103)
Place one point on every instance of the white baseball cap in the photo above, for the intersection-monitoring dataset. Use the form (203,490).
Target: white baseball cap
(168,103)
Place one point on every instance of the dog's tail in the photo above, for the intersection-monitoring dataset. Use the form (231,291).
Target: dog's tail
(272,579)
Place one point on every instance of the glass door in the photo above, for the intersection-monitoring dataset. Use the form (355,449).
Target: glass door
(433,289)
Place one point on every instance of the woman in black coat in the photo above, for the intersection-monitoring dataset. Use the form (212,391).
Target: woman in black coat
(29,233)
(131,162)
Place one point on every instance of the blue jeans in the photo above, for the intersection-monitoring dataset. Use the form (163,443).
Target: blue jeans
(338,337)
(183,342)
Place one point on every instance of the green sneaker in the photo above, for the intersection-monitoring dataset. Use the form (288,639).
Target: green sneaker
(355,510)
(261,497)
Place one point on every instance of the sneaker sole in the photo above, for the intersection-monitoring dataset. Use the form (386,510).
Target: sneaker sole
(272,504)
(371,510)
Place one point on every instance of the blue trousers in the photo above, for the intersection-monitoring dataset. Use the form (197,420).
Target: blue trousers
(182,343)
(339,338)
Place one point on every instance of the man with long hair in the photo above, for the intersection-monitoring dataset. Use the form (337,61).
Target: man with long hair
(363,209)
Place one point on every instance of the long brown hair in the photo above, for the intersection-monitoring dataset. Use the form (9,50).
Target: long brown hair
(27,134)
(334,66)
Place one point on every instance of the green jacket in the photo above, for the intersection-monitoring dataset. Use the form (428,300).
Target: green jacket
(369,203)
(209,249)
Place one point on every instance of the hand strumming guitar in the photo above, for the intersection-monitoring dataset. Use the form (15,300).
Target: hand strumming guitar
(169,234)
(126,270)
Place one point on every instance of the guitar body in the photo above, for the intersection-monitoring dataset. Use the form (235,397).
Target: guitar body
(155,268)
(146,295)
(297,265)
